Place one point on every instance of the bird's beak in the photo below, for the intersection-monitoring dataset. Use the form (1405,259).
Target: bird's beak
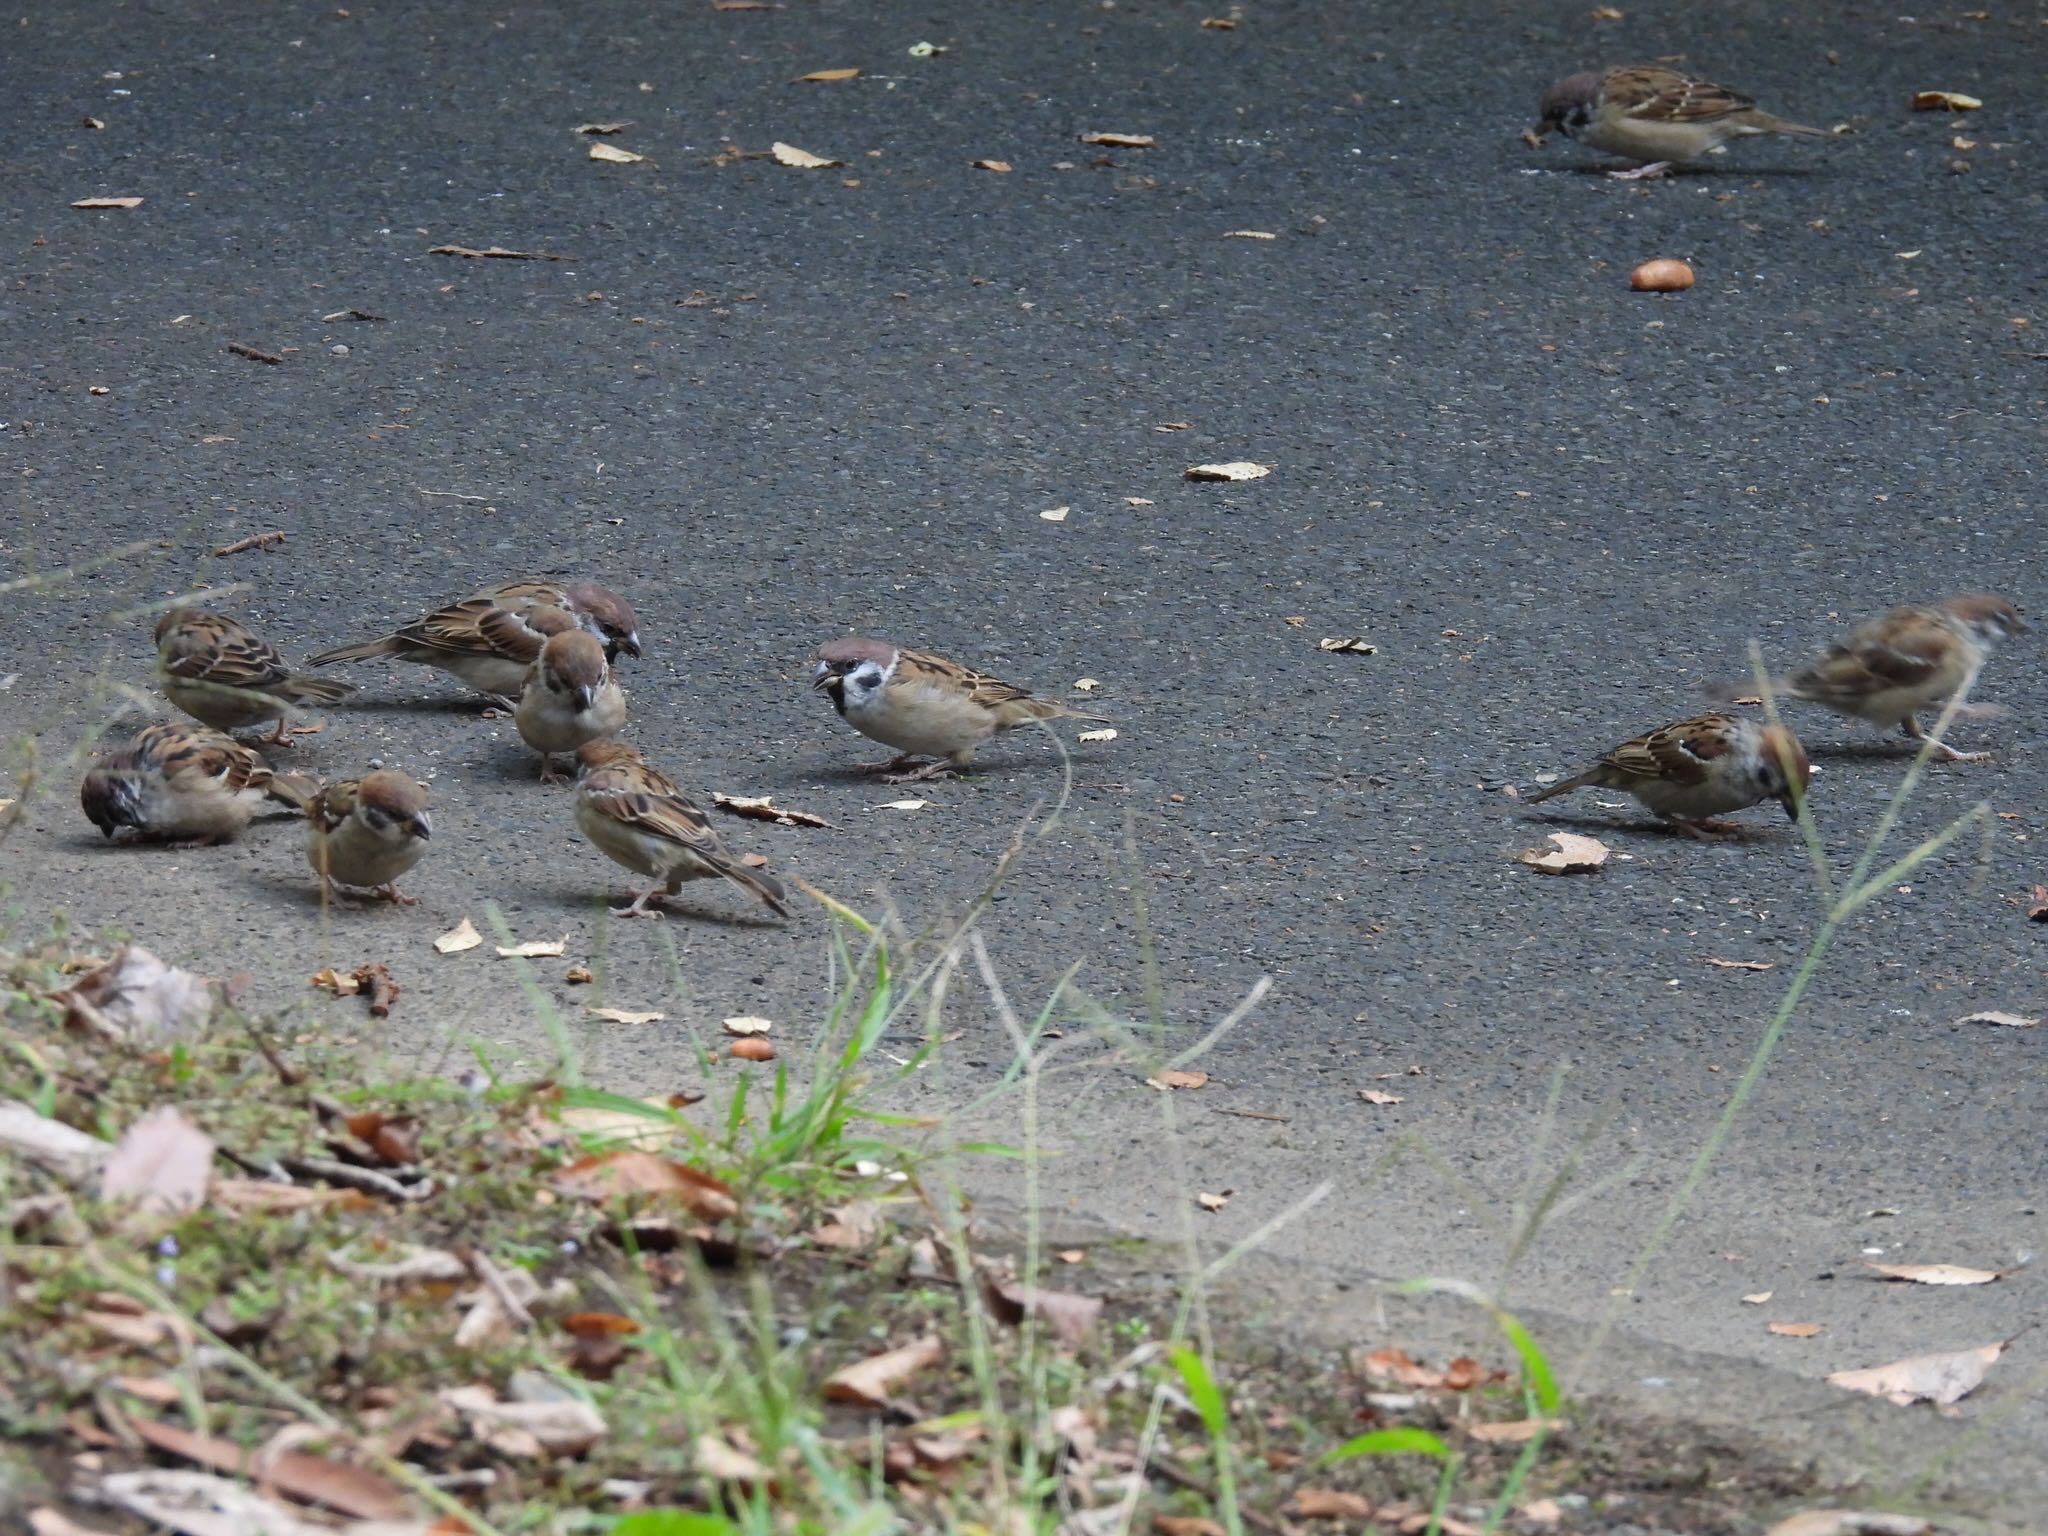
(1791,807)
(422,825)
(630,644)
(585,695)
(824,677)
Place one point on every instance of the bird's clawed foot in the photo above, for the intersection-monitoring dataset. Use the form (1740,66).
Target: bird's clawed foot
(396,897)
(1656,170)
(1706,829)
(639,908)
(1943,752)
(933,770)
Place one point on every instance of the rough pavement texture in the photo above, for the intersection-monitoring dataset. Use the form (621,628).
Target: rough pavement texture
(773,405)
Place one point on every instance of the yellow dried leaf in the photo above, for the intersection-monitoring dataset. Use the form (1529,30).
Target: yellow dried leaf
(1936,1274)
(1794,1330)
(1056,514)
(746,1024)
(1120,140)
(625,1015)
(1942,1379)
(1166,1081)
(1209,1202)
(1085,685)
(340,984)
(1944,101)
(1000,167)
(1105,734)
(871,1381)
(602,128)
(613,156)
(535,949)
(1237,469)
(903,805)
(462,936)
(1757,1298)
(1377,1096)
(802,159)
(821,75)
(108,202)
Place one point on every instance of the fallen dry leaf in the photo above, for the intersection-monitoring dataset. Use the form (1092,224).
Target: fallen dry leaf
(1220,23)
(1120,140)
(1105,734)
(626,1015)
(852,1226)
(44,1521)
(871,1381)
(1942,1379)
(351,1490)
(1056,514)
(1937,1274)
(462,936)
(1329,1504)
(162,1162)
(2010,1020)
(821,75)
(495,253)
(535,949)
(1757,1298)
(108,202)
(723,1462)
(1171,1525)
(254,541)
(579,975)
(1849,1522)
(763,808)
(1745,965)
(746,1024)
(203,1504)
(1085,685)
(1923,101)
(1353,646)
(1395,1365)
(1000,167)
(1606,13)
(1573,855)
(1793,1330)
(1209,1202)
(1237,469)
(1070,1316)
(1376,1096)
(1249,234)
(603,127)
(558,1427)
(801,159)
(1514,1431)
(611,154)
(903,805)
(629,1172)
(1177,1079)
(138,995)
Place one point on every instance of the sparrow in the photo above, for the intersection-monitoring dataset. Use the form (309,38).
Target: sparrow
(922,705)
(367,832)
(1649,113)
(184,784)
(1888,669)
(224,675)
(569,697)
(453,638)
(1696,769)
(638,818)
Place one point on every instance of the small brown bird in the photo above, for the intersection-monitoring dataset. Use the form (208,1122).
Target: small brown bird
(222,674)
(923,705)
(1697,769)
(366,832)
(181,783)
(1655,115)
(1888,669)
(569,697)
(638,818)
(455,639)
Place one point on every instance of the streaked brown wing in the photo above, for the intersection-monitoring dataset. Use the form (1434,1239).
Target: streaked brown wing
(231,656)
(1677,754)
(215,756)
(655,806)
(989,692)
(1665,95)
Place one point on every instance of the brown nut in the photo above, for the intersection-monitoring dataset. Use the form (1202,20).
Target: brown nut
(1661,276)
(753,1049)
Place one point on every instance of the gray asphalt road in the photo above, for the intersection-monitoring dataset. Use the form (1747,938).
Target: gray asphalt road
(774,404)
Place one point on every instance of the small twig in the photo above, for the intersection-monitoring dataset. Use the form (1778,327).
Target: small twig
(254,541)
(451,495)
(493,1278)
(368,1180)
(254,354)
(1251,1114)
(350,314)
(1195,1485)
(497,251)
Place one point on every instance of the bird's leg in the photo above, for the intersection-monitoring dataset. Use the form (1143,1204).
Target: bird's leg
(890,766)
(499,701)
(1706,829)
(1654,171)
(547,769)
(937,769)
(1943,752)
(390,892)
(279,737)
(640,907)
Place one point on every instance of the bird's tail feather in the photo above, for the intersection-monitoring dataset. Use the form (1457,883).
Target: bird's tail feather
(1563,787)
(759,883)
(369,650)
(318,690)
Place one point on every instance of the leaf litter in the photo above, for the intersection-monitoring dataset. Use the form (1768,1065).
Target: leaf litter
(763,808)
(1571,854)
(1941,1379)
(1937,1274)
